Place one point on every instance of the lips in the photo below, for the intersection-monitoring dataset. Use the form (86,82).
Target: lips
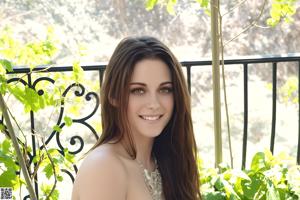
(151,117)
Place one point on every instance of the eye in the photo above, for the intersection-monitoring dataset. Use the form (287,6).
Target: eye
(137,91)
(166,90)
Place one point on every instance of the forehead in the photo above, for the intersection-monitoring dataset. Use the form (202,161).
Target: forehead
(151,70)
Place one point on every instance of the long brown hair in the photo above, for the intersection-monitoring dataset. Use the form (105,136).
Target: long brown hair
(175,148)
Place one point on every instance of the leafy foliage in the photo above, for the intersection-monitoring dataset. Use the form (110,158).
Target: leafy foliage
(47,162)
(289,91)
(150,4)
(170,4)
(282,10)
(269,178)
(30,54)
(9,167)
(77,72)
(15,52)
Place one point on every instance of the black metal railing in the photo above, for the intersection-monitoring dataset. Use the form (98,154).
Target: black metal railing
(274,60)
(99,69)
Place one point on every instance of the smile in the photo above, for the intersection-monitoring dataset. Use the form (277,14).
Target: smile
(151,118)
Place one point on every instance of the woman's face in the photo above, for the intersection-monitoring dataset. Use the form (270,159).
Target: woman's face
(151,99)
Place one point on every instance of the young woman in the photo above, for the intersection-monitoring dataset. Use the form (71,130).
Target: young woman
(147,149)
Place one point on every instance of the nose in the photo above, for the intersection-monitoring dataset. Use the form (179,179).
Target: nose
(153,102)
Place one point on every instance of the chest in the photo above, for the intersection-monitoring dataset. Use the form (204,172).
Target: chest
(137,188)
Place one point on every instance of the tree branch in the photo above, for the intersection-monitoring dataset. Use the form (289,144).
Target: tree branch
(224,90)
(233,8)
(17,148)
(54,170)
(253,23)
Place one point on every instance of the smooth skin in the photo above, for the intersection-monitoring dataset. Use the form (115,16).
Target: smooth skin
(108,172)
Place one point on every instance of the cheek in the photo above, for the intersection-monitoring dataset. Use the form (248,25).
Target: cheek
(130,105)
(169,103)
(134,103)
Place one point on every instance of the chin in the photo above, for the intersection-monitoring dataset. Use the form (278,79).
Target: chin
(153,134)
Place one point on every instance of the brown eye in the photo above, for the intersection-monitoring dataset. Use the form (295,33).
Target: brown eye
(166,90)
(137,91)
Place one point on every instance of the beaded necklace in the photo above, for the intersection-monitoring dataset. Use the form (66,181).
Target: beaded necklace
(152,181)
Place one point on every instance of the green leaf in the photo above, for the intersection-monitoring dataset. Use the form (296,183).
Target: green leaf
(57,157)
(3,83)
(223,167)
(78,72)
(258,162)
(150,4)
(17,92)
(230,191)
(33,100)
(53,151)
(203,3)
(60,178)
(48,170)
(240,174)
(170,6)
(272,22)
(36,158)
(8,160)
(56,128)
(6,64)
(46,189)
(69,157)
(8,178)
(216,195)
(29,149)
(219,185)
(30,99)
(272,193)
(253,188)
(282,11)
(68,120)
(2,127)
(6,145)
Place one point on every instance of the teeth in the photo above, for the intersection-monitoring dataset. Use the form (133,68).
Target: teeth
(151,118)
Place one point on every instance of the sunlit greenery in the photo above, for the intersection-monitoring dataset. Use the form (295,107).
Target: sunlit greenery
(269,178)
(48,161)
(281,10)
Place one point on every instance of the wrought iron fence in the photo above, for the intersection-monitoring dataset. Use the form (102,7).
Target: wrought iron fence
(80,91)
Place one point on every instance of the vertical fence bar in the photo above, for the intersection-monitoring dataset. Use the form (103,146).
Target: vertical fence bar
(298,153)
(32,127)
(245,135)
(101,75)
(274,98)
(188,73)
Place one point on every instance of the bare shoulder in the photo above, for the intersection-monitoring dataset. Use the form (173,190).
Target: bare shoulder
(102,175)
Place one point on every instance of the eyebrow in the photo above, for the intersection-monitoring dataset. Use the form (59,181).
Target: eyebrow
(143,84)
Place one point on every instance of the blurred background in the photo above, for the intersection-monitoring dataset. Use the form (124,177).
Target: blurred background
(88,31)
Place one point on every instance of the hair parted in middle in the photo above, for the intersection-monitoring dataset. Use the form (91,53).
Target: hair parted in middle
(175,148)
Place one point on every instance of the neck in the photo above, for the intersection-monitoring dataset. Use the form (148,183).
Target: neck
(144,152)
(143,147)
